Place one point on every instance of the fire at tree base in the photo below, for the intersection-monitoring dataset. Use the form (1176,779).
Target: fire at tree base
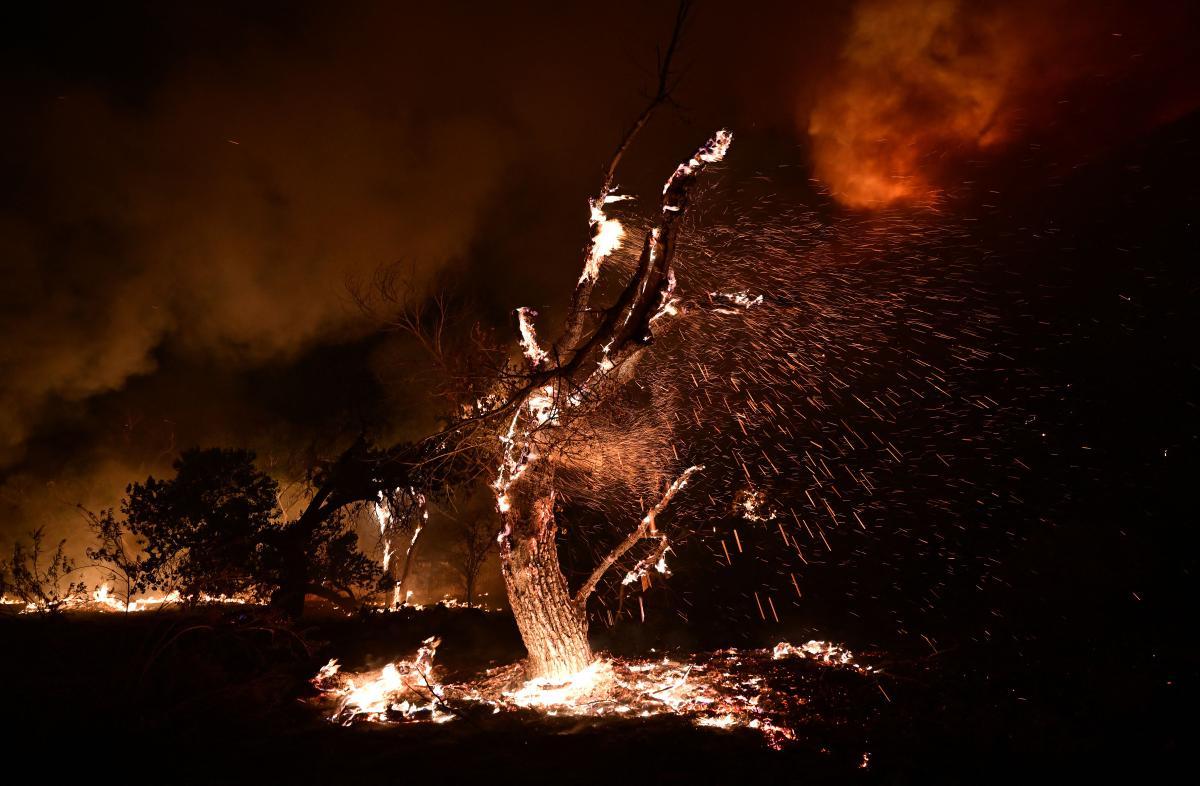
(727,689)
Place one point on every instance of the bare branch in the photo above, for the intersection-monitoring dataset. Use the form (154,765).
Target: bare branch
(662,93)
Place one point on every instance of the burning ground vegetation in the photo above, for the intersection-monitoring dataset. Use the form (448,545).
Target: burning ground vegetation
(225,694)
(103,599)
(766,690)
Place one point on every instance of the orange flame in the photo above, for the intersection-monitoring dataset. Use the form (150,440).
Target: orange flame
(918,80)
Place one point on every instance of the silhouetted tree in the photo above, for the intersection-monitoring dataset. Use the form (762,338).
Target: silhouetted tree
(336,566)
(204,529)
(37,578)
(216,529)
(120,553)
(361,474)
(474,540)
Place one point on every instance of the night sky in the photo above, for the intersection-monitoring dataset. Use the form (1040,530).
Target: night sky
(192,191)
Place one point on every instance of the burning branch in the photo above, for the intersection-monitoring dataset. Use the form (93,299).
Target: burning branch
(625,326)
(402,508)
(645,529)
(606,233)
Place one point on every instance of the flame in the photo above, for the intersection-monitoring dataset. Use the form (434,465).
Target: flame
(924,85)
(713,151)
(403,689)
(607,234)
(725,689)
(919,79)
(102,599)
(384,517)
(405,604)
(528,340)
(822,651)
(724,301)
(752,504)
(384,514)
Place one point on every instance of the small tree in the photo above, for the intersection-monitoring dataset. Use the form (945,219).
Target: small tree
(119,553)
(38,581)
(474,541)
(216,529)
(203,529)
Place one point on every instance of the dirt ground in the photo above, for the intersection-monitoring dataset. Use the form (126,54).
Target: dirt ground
(222,696)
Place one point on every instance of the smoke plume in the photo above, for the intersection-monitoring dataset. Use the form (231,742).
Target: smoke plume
(924,85)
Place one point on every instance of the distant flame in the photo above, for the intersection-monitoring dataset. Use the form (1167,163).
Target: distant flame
(919,79)
(103,599)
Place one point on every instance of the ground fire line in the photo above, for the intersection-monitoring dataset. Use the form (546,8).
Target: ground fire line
(727,689)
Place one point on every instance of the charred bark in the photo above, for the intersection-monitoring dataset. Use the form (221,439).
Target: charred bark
(553,627)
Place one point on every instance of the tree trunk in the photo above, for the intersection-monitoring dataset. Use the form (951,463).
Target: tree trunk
(288,597)
(553,628)
(293,544)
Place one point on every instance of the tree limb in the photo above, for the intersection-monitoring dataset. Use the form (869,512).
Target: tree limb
(349,604)
(644,529)
(583,290)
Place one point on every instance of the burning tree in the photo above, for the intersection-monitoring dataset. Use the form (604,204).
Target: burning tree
(783,370)
(557,412)
(561,419)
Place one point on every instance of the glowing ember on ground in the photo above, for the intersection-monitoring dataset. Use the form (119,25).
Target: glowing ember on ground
(818,650)
(103,599)
(447,602)
(400,690)
(724,689)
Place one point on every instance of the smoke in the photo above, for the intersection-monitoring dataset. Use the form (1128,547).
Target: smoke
(213,226)
(194,186)
(923,86)
(188,188)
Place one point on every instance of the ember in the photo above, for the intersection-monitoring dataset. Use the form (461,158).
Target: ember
(400,690)
(728,688)
(101,599)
